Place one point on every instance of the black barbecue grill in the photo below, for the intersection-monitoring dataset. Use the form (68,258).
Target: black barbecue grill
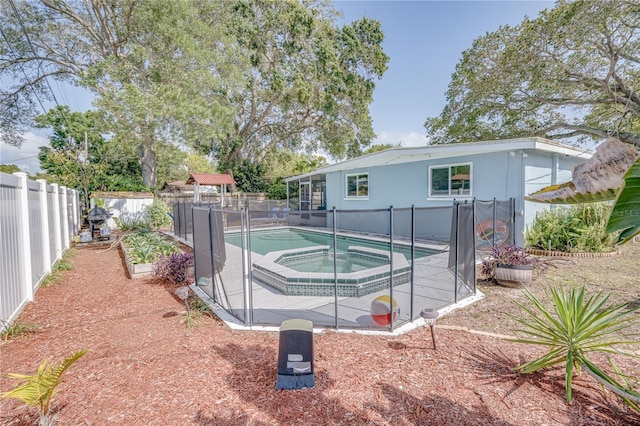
(98,217)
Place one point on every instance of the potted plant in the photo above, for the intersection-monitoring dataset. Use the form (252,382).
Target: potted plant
(509,265)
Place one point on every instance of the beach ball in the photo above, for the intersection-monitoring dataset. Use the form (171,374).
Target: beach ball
(381,310)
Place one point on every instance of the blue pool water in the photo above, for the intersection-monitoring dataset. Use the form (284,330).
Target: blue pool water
(263,242)
(325,264)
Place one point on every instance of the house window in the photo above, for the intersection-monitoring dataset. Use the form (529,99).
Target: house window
(358,185)
(450,181)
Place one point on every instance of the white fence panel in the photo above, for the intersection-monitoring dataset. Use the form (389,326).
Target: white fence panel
(36,221)
(38,267)
(54,252)
(13,295)
(125,209)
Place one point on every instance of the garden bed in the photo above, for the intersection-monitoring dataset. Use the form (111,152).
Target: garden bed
(136,270)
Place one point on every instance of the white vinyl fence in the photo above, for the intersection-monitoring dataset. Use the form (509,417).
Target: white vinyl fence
(37,222)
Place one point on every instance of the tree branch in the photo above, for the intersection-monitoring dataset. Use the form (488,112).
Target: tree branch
(582,129)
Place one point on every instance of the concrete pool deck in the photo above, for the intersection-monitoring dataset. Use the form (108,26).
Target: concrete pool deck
(434,288)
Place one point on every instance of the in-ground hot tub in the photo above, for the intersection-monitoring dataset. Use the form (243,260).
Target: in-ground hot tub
(309,271)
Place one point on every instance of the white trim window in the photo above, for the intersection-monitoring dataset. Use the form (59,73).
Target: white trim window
(450,181)
(357,185)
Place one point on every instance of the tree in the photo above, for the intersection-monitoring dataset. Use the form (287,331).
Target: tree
(9,168)
(76,152)
(285,162)
(239,79)
(308,84)
(381,147)
(148,64)
(198,163)
(571,72)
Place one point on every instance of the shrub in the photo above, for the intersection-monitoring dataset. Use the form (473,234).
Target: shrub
(158,214)
(571,329)
(581,228)
(277,190)
(176,268)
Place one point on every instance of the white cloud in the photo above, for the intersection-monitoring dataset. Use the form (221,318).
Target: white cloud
(25,157)
(407,139)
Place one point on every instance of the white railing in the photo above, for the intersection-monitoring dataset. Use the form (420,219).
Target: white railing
(37,222)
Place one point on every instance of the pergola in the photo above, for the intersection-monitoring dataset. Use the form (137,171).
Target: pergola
(209,179)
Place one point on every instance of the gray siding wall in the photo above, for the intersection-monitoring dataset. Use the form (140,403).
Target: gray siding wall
(500,175)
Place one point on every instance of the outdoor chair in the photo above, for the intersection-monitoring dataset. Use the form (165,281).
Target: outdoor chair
(282,215)
(271,218)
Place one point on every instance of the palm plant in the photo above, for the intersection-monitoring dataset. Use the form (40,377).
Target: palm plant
(572,328)
(38,389)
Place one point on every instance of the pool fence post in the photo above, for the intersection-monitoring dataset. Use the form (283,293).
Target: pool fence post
(493,241)
(335,267)
(413,258)
(246,260)
(455,257)
(212,263)
(473,235)
(391,308)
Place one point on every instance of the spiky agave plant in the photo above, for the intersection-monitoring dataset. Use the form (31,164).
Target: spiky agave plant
(571,329)
(38,389)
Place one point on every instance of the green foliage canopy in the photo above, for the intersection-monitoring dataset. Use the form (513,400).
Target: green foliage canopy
(9,168)
(238,79)
(78,156)
(308,84)
(571,72)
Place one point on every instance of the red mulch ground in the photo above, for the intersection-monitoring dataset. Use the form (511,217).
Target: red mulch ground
(145,367)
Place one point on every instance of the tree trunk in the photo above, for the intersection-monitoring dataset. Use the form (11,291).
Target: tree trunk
(149,164)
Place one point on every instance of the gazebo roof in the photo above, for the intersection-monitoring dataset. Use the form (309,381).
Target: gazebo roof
(210,179)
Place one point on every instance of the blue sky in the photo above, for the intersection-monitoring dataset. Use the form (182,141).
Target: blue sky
(425,41)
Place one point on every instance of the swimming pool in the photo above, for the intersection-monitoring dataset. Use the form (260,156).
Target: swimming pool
(301,262)
(263,242)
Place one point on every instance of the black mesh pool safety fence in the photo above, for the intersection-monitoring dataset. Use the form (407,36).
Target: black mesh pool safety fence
(494,224)
(351,269)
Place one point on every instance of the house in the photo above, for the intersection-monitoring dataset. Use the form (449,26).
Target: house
(438,175)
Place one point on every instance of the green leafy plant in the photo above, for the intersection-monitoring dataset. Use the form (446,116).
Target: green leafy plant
(158,214)
(572,328)
(580,228)
(38,389)
(16,329)
(621,384)
(142,254)
(138,224)
(148,247)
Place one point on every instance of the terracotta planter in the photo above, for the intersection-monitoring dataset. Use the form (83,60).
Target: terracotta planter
(513,276)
